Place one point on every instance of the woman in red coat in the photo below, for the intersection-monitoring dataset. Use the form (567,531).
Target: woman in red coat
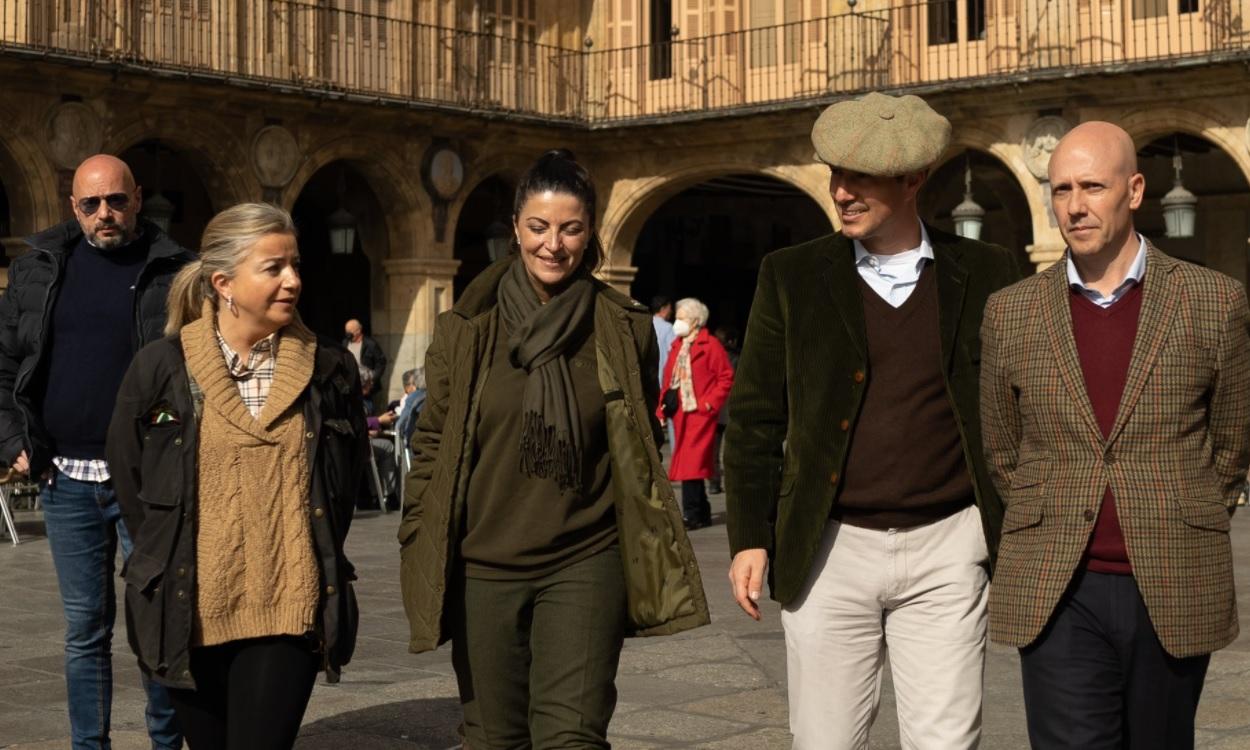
(700,376)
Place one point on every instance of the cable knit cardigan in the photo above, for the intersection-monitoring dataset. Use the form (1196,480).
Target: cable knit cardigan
(256,574)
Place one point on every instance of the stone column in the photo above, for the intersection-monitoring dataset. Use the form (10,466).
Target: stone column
(620,278)
(418,289)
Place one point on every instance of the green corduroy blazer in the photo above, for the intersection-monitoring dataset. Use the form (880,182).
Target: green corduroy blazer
(805,368)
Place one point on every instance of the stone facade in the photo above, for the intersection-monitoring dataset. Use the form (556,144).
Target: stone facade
(249,143)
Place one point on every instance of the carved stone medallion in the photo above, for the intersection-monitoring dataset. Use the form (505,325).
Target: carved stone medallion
(73,134)
(1040,141)
(275,156)
(446,173)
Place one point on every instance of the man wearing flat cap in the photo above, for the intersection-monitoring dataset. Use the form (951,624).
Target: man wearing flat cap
(853,459)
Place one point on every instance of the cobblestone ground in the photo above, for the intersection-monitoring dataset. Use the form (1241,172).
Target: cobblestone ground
(719,687)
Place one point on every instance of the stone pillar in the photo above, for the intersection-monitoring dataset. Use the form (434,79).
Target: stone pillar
(620,278)
(418,289)
(1047,248)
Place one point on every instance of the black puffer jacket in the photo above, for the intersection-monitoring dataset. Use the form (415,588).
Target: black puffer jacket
(26,308)
(155,472)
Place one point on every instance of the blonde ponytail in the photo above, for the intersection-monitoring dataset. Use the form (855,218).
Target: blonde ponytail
(227,240)
(186,297)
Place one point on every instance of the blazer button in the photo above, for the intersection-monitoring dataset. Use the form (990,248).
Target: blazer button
(330,590)
(1089,515)
(1110,458)
(182,572)
(318,512)
(846,425)
(833,478)
(182,594)
(859,376)
(309,435)
(177,441)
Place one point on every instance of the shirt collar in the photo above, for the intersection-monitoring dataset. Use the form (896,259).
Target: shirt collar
(1135,272)
(239,367)
(916,255)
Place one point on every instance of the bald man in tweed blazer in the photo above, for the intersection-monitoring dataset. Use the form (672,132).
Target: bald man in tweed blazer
(1115,573)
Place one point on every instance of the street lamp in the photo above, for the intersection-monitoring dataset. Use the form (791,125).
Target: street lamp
(342,224)
(968,216)
(159,210)
(497,240)
(1179,205)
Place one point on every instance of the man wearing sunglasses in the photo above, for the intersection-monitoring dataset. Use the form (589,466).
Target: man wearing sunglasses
(87,296)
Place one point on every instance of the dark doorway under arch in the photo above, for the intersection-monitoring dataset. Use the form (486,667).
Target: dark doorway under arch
(338,287)
(1008,221)
(708,240)
(160,168)
(1222,218)
(486,216)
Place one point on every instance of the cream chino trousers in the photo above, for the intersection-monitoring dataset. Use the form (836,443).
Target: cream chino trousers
(919,593)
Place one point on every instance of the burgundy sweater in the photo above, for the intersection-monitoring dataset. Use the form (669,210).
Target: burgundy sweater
(1104,342)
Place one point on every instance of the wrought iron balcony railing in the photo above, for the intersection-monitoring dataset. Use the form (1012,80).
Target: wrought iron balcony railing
(939,43)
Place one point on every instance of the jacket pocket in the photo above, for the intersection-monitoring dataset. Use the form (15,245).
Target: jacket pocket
(145,611)
(161,465)
(1020,516)
(1032,473)
(1205,515)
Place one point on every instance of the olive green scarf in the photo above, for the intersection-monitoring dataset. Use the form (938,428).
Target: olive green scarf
(540,340)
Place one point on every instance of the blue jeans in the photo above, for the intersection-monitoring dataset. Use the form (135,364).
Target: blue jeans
(84,527)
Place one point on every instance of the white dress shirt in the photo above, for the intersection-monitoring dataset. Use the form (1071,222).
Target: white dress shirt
(893,277)
(1135,274)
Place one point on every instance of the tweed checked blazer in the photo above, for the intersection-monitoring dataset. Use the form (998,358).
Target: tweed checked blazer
(1175,458)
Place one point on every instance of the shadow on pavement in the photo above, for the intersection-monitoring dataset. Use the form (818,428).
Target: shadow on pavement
(426,724)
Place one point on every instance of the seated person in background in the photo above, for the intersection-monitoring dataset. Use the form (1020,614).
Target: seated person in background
(383,446)
(414,399)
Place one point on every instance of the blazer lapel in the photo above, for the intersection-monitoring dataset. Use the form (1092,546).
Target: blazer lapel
(842,280)
(951,285)
(1057,312)
(1158,304)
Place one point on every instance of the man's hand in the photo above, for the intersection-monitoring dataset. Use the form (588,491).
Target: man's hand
(746,573)
(21,464)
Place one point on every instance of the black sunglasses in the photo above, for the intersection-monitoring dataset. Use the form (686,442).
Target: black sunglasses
(116,201)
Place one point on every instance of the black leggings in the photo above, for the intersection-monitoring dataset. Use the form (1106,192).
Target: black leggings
(249,695)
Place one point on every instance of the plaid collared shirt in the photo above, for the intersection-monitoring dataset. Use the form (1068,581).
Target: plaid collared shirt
(253,376)
(83,469)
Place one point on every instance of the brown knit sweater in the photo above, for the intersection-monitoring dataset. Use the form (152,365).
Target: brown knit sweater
(256,574)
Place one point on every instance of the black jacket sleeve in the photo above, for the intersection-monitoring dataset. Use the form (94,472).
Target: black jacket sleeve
(124,446)
(12,351)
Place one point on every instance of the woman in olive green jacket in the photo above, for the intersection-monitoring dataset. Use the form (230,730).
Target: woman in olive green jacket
(539,527)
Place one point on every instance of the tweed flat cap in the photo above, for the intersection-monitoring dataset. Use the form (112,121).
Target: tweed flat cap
(881,135)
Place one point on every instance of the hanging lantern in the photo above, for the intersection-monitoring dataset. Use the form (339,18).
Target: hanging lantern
(342,232)
(342,224)
(158,210)
(1179,206)
(497,237)
(968,216)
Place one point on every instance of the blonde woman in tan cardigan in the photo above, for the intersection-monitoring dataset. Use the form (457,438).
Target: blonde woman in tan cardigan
(237,447)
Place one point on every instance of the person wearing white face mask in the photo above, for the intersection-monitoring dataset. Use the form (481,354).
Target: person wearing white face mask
(697,379)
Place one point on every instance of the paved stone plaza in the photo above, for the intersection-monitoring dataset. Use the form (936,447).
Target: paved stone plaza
(722,686)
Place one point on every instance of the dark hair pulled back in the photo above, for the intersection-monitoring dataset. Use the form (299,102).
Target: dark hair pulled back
(558,171)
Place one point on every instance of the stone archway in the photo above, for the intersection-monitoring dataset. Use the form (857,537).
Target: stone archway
(483,228)
(707,239)
(1212,175)
(340,283)
(632,201)
(1008,217)
(166,174)
(215,154)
